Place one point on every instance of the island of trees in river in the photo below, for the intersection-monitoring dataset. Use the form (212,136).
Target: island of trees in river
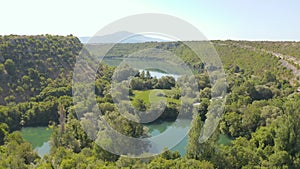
(261,113)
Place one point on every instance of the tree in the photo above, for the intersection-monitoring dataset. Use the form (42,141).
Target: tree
(148,76)
(279,159)
(194,147)
(231,124)
(269,77)
(250,90)
(270,114)
(239,154)
(250,120)
(193,164)
(10,66)
(264,92)
(139,104)
(165,82)
(3,132)
(142,75)
(1,68)
(287,130)
(17,152)
(124,72)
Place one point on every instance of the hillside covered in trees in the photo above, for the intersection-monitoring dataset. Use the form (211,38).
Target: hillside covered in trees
(261,113)
(28,64)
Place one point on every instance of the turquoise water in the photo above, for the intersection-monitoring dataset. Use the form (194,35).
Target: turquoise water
(38,137)
(180,128)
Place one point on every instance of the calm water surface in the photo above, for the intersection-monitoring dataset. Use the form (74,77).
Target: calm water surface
(38,137)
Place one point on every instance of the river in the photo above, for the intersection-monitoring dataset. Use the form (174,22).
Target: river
(39,136)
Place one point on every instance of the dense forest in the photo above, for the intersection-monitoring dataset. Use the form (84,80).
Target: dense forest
(260,113)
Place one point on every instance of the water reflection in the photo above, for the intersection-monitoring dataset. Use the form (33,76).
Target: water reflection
(176,129)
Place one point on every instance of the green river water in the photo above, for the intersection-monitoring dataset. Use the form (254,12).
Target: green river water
(39,136)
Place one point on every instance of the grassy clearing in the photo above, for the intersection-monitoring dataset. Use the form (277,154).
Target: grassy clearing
(154,95)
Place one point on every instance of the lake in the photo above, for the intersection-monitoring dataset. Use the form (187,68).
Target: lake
(38,137)
(180,128)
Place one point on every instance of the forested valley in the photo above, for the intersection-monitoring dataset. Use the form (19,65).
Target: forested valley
(261,114)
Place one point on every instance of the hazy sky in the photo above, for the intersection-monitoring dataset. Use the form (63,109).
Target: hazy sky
(216,19)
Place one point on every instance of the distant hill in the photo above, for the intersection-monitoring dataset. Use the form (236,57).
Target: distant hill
(130,38)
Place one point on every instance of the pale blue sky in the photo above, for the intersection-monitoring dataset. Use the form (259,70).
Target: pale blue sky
(217,19)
